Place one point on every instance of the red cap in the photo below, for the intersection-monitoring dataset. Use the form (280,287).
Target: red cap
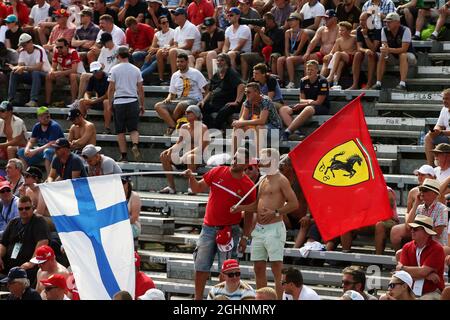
(43,254)
(61,13)
(4,185)
(137,259)
(230,264)
(55,280)
(223,236)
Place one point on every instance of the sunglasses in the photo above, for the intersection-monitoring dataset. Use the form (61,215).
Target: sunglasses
(393,284)
(233,274)
(5,190)
(347,282)
(59,47)
(24,208)
(230,15)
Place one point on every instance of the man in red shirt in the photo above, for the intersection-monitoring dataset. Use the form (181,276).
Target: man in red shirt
(227,186)
(20,10)
(423,258)
(64,68)
(62,29)
(198,10)
(139,37)
(143,282)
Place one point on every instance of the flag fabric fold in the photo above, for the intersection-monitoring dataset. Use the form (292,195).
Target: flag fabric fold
(91,217)
(339,174)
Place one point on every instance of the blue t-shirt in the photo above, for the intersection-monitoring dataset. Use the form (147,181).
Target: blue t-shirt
(52,133)
(99,86)
(9,212)
(74,163)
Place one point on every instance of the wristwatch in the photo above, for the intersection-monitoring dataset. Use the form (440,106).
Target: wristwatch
(277,213)
(246,238)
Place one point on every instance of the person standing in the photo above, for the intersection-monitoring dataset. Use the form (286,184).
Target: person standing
(126,97)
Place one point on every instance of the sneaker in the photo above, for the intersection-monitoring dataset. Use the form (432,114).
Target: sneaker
(122,159)
(290,85)
(376,87)
(106,131)
(190,192)
(296,136)
(167,190)
(285,136)
(336,87)
(31,104)
(136,153)
(74,105)
(416,37)
(432,37)
(400,87)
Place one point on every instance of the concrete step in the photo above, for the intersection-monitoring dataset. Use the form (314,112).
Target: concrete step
(416,97)
(408,107)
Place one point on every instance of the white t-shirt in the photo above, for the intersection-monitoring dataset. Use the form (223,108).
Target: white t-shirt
(243,32)
(306,294)
(165,38)
(125,77)
(108,58)
(444,118)
(189,84)
(37,56)
(188,32)
(118,36)
(441,175)
(308,12)
(18,126)
(3,30)
(39,14)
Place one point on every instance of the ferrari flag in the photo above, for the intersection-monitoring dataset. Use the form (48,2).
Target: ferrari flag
(339,174)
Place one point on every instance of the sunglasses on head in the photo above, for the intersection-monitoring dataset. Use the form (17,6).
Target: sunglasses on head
(6,190)
(233,274)
(24,208)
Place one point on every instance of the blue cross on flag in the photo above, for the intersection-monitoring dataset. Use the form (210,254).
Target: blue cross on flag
(91,217)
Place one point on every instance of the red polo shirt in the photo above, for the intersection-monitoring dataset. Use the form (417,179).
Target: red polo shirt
(66,62)
(432,256)
(142,38)
(23,12)
(220,201)
(198,12)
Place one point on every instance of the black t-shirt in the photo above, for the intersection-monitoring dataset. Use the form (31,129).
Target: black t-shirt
(315,89)
(29,294)
(74,163)
(13,37)
(224,90)
(374,34)
(352,16)
(28,235)
(109,11)
(211,41)
(134,11)
(162,11)
(277,36)
(99,86)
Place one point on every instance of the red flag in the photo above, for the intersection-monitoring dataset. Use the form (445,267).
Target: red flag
(338,171)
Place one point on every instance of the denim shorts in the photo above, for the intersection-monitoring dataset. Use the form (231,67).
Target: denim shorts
(268,241)
(441,139)
(37,158)
(206,248)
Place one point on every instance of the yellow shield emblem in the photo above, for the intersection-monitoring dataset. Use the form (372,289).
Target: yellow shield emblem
(343,166)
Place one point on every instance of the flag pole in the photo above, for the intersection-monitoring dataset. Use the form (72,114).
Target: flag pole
(145,173)
(248,193)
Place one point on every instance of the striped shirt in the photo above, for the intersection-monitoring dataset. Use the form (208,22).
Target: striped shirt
(243,292)
(438,212)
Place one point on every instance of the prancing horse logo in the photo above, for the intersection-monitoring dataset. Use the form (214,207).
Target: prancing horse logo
(346,166)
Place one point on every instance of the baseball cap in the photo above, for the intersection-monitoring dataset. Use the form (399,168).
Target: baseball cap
(330,13)
(90,150)
(195,110)
(209,21)
(392,16)
(234,10)
(43,254)
(24,37)
(244,1)
(11,18)
(34,171)
(87,12)
(137,260)
(5,185)
(61,13)
(55,280)
(105,37)
(294,16)
(178,11)
(152,294)
(61,143)
(13,274)
(224,240)
(95,66)
(155,1)
(40,111)
(230,264)
(405,277)
(425,169)
(73,114)
(6,106)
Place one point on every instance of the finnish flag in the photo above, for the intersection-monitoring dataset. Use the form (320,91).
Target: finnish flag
(91,217)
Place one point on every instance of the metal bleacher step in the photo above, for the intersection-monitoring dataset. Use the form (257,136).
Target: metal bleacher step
(184,221)
(439,56)
(408,107)
(176,205)
(427,82)
(414,97)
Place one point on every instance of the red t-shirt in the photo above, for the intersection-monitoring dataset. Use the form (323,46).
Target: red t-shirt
(143,283)
(142,38)
(3,10)
(220,201)
(23,13)
(198,12)
(66,62)
(432,256)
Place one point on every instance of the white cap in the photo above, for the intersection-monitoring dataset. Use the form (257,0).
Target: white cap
(226,247)
(152,294)
(24,37)
(405,277)
(425,169)
(95,66)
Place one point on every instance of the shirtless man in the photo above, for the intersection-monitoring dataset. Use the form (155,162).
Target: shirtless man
(275,199)
(33,176)
(13,128)
(81,132)
(326,37)
(45,259)
(342,52)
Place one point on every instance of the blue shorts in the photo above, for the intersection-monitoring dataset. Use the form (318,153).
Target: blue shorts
(206,248)
(441,139)
(38,158)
